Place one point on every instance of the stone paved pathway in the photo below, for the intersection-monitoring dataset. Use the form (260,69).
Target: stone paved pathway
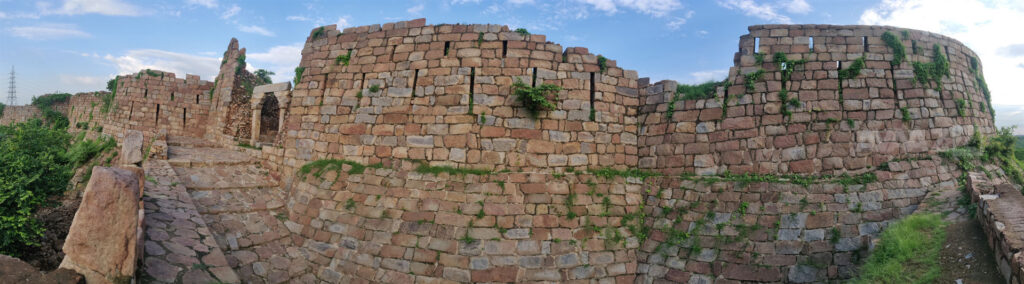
(179,247)
(243,208)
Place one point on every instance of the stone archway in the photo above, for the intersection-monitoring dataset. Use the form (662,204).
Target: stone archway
(270,115)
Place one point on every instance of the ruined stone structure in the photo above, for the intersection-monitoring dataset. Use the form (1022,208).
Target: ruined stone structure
(784,175)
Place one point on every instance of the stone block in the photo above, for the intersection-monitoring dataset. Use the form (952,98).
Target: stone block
(102,241)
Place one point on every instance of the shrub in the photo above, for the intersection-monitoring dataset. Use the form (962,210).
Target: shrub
(264,76)
(45,102)
(535,99)
(33,166)
(83,151)
(343,59)
(522,32)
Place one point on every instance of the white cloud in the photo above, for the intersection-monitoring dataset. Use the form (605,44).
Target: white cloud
(798,7)
(48,31)
(205,3)
(342,22)
(679,21)
(281,59)
(231,12)
(707,75)
(985,27)
(103,7)
(656,8)
(457,2)
(66,79)
(298,18)
(415,10)
(521,2)
(761,11)
(254,29)
(177,63)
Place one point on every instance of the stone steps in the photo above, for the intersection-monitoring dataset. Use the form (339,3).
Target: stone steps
(188,157)
(237,200)
(225,177)
(234,231)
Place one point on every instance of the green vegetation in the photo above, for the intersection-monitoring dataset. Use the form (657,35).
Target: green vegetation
(960,105)
(343,59)
(907,253)
(759,57)
(787,67)
(85,150)
(803,180)
(609,173)
(247,145)
(906,113)
(2,106)
(264,76)
(298,75)
(479,39)
(319,33)
(34,165)
(321,166)
(932,72)
(898,51)
(602,63)
(425,168)
(704,90)
(750,79)
(374,88)
(535,99)
(45,104)
(853,70)
(154,73)
(522,32)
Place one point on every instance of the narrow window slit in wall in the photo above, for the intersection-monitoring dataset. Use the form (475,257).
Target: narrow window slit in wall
(810,43)
(446,45)
(757,44)
(131,110)
(839,65)
(946,48)
(593,91)
(913,46)
(504,48)
(157,114)
(184,120)
(393,48)
(472,80)
(197,99)
(533,83)
(864,41)
(415,78)
(362,82)
(145,93)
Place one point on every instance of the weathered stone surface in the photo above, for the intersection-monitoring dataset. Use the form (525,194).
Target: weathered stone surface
(131,147)
(102,241)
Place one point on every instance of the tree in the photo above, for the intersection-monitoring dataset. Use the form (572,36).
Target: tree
(112,85)
(264,76)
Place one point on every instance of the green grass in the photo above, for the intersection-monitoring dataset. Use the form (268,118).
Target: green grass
(907,253)
(322,166)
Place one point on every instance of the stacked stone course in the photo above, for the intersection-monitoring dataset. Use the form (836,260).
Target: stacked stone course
(151,102)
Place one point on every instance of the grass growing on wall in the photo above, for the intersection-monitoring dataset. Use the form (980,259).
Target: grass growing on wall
(425,168)
(535,99)
(907,253)
(298,75)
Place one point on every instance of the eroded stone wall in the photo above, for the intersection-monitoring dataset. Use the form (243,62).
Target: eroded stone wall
(839,126)
(152,100)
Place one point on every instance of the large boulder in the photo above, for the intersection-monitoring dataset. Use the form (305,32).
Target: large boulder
(103,240)
(131,147)
(13,270)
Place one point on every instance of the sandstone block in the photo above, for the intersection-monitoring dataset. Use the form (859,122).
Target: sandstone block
(131,147)
(101,243)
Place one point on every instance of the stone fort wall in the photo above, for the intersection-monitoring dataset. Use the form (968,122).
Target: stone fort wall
(443,98)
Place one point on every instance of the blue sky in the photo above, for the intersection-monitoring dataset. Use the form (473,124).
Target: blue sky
(77,45)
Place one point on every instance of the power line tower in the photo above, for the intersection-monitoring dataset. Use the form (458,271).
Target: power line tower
(11,94)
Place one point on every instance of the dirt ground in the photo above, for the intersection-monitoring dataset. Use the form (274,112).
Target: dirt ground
(966,255)
(56,220)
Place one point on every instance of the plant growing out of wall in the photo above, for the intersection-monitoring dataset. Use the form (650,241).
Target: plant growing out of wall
(153,73)
(787,67)
(535,99)
(319,33)
(925,73)
(374,88)
(298,75)
(523,32)
(906,113)
(343,59)
(479,39)
(750,79)
(898,51)
(241,64)
(602,63)
(960,105)
(759,58)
